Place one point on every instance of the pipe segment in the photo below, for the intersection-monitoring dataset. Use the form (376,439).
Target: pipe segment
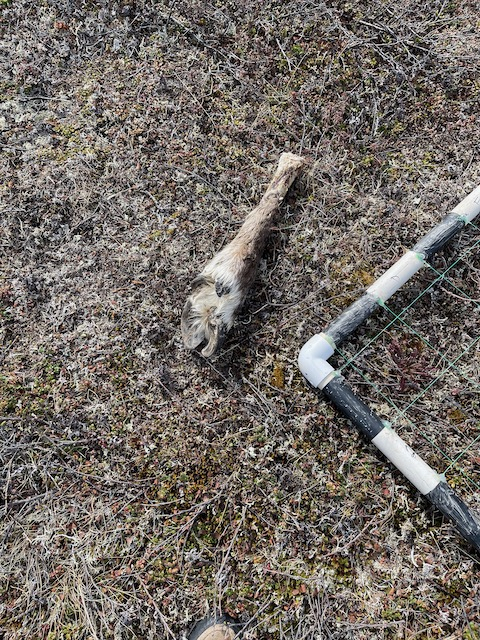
(321,374)
(380,433)
(439,236)
(446,500)
(420,474)
(350,405)
(469,207)
(400,272)
(351,318)
(431,484)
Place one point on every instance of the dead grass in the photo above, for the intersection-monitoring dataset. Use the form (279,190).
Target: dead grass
(144,486)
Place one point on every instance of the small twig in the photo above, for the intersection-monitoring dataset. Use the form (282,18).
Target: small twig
(157,610)
(455,295)
(284,55)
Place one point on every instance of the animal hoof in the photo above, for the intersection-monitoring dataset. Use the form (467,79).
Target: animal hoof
(207,316)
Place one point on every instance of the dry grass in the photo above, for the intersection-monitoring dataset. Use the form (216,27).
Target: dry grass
(143,485)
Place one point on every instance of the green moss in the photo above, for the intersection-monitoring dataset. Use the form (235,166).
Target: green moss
(398,165)
(347,275)
(67,632)
(341,567)
(397,127)
(33,396)
(391,614)
(278,375)
(69,144)
(471,632)
(457,416)
(368,160)
(68,131)
(10,392)
(7,88)
(297,50)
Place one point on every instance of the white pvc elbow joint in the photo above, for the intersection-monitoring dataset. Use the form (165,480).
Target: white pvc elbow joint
(312,360)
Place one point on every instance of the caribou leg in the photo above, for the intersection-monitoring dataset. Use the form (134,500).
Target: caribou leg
(220,289)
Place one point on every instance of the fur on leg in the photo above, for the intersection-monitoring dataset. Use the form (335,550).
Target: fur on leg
(220,289)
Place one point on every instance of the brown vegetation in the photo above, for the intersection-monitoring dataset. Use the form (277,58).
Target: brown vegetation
(142,484)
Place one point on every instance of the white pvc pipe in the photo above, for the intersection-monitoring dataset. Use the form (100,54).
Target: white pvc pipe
(469,207)
(313,357)
(420,474)
(396,276)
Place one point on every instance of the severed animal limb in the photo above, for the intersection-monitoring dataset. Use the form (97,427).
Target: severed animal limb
(220,289)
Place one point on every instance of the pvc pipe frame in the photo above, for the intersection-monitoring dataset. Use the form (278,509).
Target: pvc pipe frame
(320,374)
